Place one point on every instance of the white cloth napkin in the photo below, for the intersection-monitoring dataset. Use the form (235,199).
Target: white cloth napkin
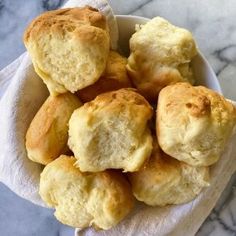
(18,105)
(22,92)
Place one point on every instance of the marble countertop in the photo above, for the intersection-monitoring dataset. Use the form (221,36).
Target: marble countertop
(213,25)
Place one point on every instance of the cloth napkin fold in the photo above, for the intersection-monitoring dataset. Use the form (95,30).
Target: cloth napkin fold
(22,92)
(18,105)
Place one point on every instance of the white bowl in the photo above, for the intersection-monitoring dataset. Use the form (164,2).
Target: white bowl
(25,95)
(203,72)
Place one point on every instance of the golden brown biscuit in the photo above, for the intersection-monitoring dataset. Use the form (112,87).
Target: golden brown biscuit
(164,180)
(160,55)
(85,199)
(114,77)
(111,132)
(194,123)
(46,138)
(68,47)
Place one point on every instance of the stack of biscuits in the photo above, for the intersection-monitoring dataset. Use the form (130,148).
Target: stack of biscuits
(97,134)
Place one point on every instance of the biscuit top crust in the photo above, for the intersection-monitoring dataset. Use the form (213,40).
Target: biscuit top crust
(62,19)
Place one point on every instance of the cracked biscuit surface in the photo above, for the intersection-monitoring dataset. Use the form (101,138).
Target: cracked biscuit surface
(194,123)
(164,180)
(111,131)
(160,55)
(87,199)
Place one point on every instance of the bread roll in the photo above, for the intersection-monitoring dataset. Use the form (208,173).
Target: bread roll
(85,199)
(68,47)
(164,180)
(115,77)
(111,132)
(194,123)
(47,135)
(160,55)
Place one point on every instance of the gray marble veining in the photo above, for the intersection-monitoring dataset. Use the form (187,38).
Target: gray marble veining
(15,15)
(22,218)
(214,27)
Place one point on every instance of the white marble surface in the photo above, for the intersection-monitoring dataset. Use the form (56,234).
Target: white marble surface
(214,27)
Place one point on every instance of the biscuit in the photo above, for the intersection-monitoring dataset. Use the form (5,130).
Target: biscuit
(111,132)
(194,123)
(68,47)
(164,180)
(114,77)
(160,55)
(85,199)
(104,7)
(47,134)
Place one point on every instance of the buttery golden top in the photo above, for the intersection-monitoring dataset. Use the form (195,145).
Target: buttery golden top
(119,100)
(194,123)
(64,19)
(47,135)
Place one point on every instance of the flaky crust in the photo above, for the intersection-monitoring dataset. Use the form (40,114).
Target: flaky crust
(111,132)
(194,123)
(86,15)
(160,55)
(164,180)
(83,199)
(47,135)
(114,77)
(68,47)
